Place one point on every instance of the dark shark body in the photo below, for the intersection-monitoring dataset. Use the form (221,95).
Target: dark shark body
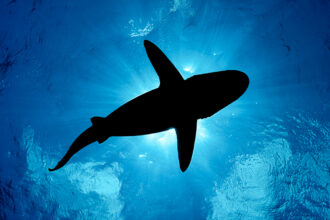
(177,103)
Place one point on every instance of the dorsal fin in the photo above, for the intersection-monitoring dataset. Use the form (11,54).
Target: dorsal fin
(167,73)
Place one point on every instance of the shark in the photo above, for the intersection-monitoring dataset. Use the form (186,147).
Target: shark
(177,103)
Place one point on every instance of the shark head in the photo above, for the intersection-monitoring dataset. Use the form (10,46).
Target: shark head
(214,91)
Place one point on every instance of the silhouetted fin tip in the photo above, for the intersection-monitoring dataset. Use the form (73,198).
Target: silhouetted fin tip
(97,120)
(55,168)
(58,166)
(146,42)
(183,168)
(167,73)
(186,134)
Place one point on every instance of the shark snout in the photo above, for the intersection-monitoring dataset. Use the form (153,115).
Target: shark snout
(243,80)
(238,80)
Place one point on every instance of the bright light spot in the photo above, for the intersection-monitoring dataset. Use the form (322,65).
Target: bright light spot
(142,155)
(202,134)
(188,69)
(214,54)
(201,130)
(168,138)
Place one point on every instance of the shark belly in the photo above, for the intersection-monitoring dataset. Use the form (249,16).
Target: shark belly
(149,113)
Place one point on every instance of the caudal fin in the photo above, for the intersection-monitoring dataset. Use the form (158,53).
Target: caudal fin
(86,138)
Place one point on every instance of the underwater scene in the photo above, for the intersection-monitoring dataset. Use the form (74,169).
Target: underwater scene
(264,156)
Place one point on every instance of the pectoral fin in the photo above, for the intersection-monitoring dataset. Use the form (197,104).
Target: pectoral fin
(186,134)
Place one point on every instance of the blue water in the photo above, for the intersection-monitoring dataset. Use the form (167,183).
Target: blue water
(266,156)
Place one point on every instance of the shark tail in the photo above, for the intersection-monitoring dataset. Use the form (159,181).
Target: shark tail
(86,138)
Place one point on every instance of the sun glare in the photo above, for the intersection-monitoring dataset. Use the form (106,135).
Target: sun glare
(188,69)
(168,138)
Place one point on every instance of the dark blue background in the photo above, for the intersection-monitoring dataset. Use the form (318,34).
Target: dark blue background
(265,156)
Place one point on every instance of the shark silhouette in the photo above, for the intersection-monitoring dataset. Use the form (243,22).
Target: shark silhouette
(176,103)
